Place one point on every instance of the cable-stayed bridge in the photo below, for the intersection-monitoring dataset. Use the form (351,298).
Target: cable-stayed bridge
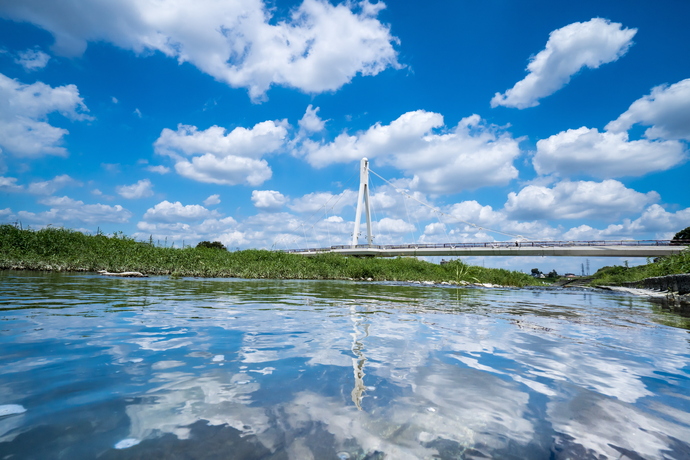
(521,246)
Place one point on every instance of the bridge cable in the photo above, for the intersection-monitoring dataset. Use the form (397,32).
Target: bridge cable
(376,219)
(328,229)
(373,211)
(401,191)
(287,239)
(407,211)
(305,235)
(443,225)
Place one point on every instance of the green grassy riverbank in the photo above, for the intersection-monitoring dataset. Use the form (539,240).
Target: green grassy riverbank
(59,249)
(617,275)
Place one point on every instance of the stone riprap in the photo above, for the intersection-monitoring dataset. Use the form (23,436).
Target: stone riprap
(673,283)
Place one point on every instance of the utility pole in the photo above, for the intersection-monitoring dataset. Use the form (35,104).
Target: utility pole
(363,196)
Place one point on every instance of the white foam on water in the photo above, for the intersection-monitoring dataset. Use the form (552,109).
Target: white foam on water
(136,360)
(218,358)
(126,443)
(11,409)
(264,371)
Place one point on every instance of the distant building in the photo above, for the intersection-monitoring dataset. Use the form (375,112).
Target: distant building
(570,275)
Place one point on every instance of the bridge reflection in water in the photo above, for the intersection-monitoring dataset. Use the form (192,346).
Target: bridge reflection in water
(622,248)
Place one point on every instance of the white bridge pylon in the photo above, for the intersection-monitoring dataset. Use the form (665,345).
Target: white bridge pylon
(363,197)
(520,247)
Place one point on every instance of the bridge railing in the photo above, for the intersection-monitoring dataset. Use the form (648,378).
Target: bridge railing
(498,245)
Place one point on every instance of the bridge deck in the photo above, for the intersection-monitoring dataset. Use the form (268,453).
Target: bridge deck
(624,248)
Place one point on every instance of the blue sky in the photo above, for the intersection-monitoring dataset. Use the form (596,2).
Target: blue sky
(244,121)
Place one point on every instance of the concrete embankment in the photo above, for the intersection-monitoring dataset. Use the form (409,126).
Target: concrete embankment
(674,283)
(674,288)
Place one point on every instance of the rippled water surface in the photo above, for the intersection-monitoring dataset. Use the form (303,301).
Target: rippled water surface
(94,367)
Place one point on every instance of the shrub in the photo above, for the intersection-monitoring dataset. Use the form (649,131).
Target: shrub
(209,245)
(682,237)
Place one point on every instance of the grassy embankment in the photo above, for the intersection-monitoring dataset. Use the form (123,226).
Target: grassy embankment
(59,249)
(670,265)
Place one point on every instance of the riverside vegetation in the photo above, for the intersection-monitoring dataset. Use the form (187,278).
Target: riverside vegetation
(669,265)
(60,249)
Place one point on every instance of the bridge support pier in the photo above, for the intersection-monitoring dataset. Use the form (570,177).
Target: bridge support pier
(363,197)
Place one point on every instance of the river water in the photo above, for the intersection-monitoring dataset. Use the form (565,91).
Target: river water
(107,368)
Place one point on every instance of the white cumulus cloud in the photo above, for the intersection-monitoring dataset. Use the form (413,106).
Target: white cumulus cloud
(65,209)
(311,122)
(282,230)
(467,156)
(212,200)
(158,169)
(32,59)
(9,184)
(470,221)
(604,154)
(168,212)
(319,47)
(403,133)
(666,110)
(192,231)
(577,200)
(24,109)
(474,213)
(324,201)
(142,189)
(51,186)
(655,220)
(268,199)
(264,137)
(435,229)
(398,201)
(388,225)
(219,158)
(230,170)
(568,50)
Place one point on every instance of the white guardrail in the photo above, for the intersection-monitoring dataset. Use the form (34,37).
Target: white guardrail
(619,248)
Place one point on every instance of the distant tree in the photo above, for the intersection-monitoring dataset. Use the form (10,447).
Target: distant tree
(682,235)
(208,244)
(552,274)
(536,272)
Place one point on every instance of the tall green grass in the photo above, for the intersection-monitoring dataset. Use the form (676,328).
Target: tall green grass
(60,249)
(669,265)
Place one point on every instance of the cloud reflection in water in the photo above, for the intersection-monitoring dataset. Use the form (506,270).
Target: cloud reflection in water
(434,371)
